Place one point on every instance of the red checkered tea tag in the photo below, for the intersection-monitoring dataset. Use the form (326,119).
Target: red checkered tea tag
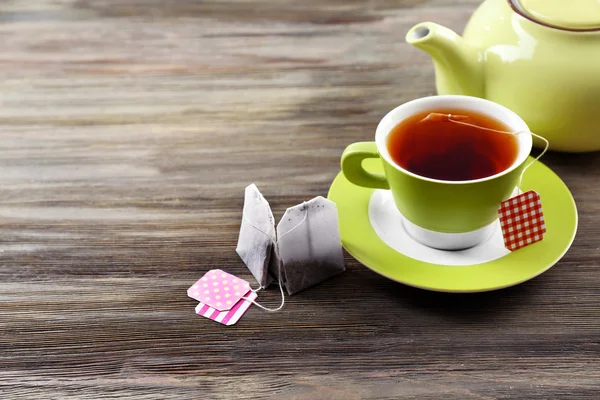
(522,220)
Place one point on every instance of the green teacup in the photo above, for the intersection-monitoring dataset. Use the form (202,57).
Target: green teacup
(442,214)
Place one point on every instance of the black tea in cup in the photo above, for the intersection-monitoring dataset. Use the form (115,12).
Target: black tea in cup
(429,145)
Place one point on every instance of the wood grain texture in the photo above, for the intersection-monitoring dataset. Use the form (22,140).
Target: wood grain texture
(129,131)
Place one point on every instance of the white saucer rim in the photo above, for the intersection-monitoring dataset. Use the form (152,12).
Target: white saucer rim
(382,198)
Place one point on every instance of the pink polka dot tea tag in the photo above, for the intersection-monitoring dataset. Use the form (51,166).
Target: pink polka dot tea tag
(522,220)
(219,290)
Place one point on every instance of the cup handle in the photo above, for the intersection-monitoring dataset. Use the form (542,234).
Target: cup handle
(353,170)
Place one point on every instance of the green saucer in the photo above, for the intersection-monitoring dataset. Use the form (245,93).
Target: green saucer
(362,242)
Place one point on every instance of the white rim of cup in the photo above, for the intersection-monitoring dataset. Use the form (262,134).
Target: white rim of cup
(469,103)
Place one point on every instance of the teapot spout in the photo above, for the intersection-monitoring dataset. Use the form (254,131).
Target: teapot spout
(457,66)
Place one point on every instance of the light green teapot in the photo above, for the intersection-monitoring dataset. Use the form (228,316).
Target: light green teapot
(540,58)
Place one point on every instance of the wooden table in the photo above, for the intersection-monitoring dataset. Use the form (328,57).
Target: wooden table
(129,131)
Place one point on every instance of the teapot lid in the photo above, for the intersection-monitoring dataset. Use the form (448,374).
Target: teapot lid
(571,15)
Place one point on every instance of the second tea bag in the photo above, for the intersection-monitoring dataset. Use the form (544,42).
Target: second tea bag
(309,245)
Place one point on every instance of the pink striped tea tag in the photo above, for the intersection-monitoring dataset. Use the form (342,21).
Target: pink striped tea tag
(228,317)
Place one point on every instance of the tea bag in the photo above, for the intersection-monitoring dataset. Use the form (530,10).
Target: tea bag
(309,244)
(257,235)
(308,247)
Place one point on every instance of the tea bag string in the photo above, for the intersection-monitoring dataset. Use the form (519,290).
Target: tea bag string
(278,273)
(280,290)
(278,264)
(546,142)
(254,226)
(305,206)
